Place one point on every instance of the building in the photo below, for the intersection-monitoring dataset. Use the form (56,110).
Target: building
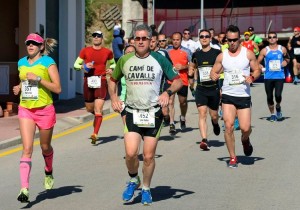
(60,19)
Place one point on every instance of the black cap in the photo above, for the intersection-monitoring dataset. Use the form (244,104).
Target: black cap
(250,28)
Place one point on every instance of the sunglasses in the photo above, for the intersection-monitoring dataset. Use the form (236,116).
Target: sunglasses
(232,40)
(186,33)
(163,40)
(97,35)
(272,37)
(143,38)
(204,36)
(296,31)
(33,43)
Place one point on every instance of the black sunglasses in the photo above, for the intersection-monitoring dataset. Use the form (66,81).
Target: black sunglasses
(204,36)
(33,43)
(272,37)
(97,35)
(163,40)
(143,38)
(186,33)
(232,40)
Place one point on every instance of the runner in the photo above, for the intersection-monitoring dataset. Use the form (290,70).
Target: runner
(180,57)
(39,77)
(187,42)
(93,61)
(143,74)
(207,93)
(276,58)
(294,48)
(236,99)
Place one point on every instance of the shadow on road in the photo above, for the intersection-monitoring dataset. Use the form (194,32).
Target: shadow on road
(160,193)
(54,193)
(106,139)
(280,120)
(244,160)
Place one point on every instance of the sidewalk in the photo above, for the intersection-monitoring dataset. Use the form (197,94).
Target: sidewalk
(69,113)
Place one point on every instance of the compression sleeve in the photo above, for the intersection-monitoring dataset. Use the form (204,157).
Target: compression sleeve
(112,63)
(78,63)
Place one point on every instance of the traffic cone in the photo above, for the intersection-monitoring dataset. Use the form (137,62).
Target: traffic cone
(288,78)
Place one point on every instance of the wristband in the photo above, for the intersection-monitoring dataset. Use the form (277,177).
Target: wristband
(86,68)
(252,78)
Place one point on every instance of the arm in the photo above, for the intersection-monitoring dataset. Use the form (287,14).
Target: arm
(289,44)
(261,56)
(217,68)
(286,57)
(116,104)
(256,71)
(112,66)
(78,64)
(163,99)
(256,48)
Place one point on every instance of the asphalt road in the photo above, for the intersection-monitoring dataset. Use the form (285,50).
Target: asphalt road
(93,177)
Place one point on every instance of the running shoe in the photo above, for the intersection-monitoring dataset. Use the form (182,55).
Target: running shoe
(182,123)
(295,80)
(146,197)
(48,182)
(23,196)
(217,129)
(236,124)
(94,138)
(233,163)
(204,145)
(279,115)
(132,185)
(248,148)
(273,118)
(172,129)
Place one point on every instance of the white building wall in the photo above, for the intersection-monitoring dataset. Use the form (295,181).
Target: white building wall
(80,41)
(68,46)
(131,10)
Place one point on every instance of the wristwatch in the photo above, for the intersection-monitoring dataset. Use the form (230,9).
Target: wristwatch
(169,92)
(38,78)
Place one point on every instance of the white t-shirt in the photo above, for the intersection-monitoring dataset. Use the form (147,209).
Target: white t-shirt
(190,44)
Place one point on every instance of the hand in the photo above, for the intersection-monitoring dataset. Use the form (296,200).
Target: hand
(163,99)
(117,105)
(214,76)
(31,76)
(16,89)
(249,79)
(109,71)
(192,91)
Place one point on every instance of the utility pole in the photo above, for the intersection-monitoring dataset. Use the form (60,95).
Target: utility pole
(150,12)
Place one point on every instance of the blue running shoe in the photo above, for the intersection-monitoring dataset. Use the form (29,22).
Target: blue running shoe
(236,124)
(146,197)
(132,185)
(295,80)
(273,118)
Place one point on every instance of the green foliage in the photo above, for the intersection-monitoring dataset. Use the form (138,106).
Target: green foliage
(89,14)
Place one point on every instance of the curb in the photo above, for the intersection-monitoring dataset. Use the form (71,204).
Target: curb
(60,126)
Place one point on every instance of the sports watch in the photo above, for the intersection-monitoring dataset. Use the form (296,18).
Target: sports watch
(169,92)
(38,78)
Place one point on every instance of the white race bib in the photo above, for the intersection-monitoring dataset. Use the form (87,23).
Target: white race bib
(204,73)
(94,81)
(235,77)
(274,65)
(296,51)
(143,118)
(30,90)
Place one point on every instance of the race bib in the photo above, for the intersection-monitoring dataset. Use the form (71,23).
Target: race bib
(204,73)
(296,51)
(235,77)
(30,90)
(274,65)
(143,118)
(94,82)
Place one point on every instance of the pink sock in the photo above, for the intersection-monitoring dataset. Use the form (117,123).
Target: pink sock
(48,161)
(25,167)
